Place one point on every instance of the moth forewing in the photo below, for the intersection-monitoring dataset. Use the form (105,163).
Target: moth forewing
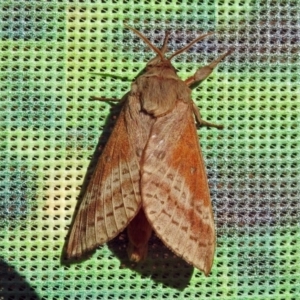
(151,174)
(175,191)
(113,196)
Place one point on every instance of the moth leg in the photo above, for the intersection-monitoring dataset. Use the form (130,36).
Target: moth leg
(205,71)
(139,232)
(202,122)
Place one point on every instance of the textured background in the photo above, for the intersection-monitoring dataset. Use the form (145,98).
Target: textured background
(50,130)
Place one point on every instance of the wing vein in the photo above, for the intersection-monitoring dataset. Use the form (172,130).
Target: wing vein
(132,183)
(173,212)
(104,212)
(122,193)
(117,188)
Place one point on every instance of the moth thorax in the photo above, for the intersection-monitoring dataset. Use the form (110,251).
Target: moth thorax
(159,96)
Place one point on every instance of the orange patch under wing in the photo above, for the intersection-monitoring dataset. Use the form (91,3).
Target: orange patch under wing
(139,232)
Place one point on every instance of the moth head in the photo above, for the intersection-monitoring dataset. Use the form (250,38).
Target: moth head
(160,59)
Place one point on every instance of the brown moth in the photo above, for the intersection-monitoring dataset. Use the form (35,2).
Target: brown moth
(151,174)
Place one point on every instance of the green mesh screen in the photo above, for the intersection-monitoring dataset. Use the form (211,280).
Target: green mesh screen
(50,132)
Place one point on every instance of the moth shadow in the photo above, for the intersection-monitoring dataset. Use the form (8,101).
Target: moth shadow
(161,265)
(13,285)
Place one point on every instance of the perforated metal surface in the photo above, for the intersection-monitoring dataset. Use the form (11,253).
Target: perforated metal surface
(50,130)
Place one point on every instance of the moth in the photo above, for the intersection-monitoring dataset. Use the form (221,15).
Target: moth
(151,174)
